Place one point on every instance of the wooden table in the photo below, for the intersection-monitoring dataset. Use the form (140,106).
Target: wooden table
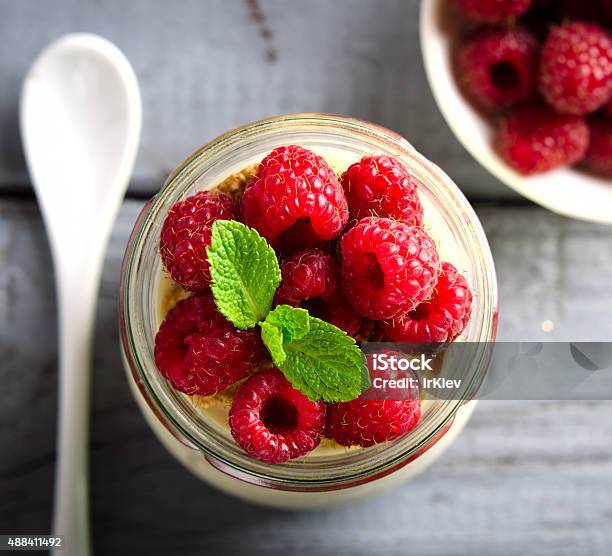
(523,478)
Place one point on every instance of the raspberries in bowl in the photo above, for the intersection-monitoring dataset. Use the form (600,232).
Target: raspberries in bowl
(387,270)
(521,85)
(246,362)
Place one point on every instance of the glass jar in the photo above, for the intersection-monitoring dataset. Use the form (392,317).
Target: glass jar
(208,450)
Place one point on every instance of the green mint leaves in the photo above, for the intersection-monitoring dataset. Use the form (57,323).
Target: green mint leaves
(281,326)
(319,359)
(244,271)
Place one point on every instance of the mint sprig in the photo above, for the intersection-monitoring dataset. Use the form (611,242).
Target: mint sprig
(244,271)
(319,359)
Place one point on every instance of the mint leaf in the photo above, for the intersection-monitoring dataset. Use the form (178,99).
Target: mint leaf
(324,364)
(318,358)
(282,325)
(293,322)
(273,339)
(244,271)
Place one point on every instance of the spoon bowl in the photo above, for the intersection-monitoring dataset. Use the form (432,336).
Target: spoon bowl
(80,122)
(80,116)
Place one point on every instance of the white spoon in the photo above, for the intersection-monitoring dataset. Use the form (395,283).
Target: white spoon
(80,125)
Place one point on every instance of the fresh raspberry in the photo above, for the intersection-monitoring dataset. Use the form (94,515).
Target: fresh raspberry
(186,233)
(441,318)
(273,421)
(295,188)
(305,275)
(599,154)
(364,422)
(200,352)
(535,139)
(388,267)
(381,186)
(576,68)
(499,67)
(491,11)
(608,109)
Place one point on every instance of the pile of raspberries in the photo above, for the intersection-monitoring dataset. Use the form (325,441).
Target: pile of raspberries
(544,67)
(352,251)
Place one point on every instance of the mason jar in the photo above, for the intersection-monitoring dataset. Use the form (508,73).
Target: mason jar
(203,445)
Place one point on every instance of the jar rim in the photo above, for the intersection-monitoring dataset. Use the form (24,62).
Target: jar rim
(381,459)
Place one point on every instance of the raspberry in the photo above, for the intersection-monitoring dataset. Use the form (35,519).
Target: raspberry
(200,352)
(491,11)
(499,67)
(608,109)
(599,154)
(186,234)
(441,318)
(295,195)
(305,275)
(274,422)
(535,139)
(576,68)
(366,422)
(381,186)
(388,267)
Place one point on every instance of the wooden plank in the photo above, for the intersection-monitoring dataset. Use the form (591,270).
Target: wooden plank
(524,477)
(206,67)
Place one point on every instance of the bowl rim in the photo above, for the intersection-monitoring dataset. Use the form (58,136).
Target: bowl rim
(527,186)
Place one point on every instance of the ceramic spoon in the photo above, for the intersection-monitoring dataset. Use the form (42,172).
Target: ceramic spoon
(80,126)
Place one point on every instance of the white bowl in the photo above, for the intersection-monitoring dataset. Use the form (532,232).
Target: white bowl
(565,191)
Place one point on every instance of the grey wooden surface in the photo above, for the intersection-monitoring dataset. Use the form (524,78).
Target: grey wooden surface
(523,478)
(207,66)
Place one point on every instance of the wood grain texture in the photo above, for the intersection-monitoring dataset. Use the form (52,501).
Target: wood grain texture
(207,66)
(531,478)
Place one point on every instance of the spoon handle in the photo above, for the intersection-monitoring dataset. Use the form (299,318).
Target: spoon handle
(77,287)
